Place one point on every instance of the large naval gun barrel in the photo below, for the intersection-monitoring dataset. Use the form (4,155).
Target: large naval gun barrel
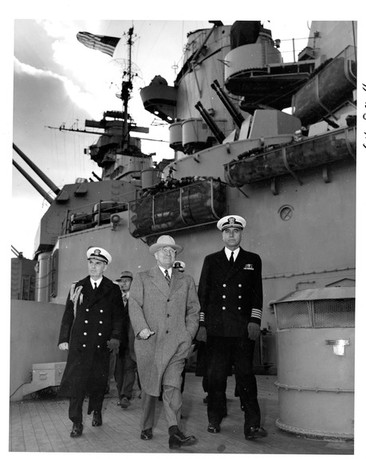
(33,182)
(235,114)
(37,170)
(216,131)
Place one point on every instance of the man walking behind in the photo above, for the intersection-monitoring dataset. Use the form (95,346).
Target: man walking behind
(126,368)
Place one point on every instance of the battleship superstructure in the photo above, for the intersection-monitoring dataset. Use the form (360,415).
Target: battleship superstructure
(238,149)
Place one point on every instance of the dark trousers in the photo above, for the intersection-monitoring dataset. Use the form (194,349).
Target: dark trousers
(220,350)
(95,393)
(125,375)
(76,406)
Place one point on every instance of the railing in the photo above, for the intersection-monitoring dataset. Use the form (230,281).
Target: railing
(94,214)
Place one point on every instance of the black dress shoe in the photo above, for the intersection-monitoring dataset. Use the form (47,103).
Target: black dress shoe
(124,403)
(77,429)
(178,439)
(146,434)
(97,419)
(213,427)
(255,432)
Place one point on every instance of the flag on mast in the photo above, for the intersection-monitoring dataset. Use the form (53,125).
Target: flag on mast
(101,43)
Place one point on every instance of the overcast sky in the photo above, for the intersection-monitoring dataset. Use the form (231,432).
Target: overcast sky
(57,80)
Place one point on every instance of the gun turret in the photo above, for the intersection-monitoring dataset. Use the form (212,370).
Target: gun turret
(33,182)
(37,170)
(219,136)
(235,114)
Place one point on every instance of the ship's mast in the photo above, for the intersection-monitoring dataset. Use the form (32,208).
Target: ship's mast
(126,91)
(124,95)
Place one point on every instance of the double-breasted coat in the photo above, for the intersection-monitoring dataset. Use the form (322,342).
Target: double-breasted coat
(91,318)
(172,312)
(231,296)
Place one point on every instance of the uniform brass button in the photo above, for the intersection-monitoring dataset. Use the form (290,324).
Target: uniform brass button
(86,321)
(239,297)
(101,321)
(239,285)
(224,296)
(224,285)
(99,334)
(85,333)
(224,308)
(101,310)
(239,308)
(84,345)
(87,310)
(98,345)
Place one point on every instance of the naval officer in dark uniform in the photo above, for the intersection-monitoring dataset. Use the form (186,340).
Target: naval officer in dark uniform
(90,329)
(230,294)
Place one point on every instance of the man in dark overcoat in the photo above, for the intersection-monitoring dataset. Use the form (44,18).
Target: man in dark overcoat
(163,308)
(125,368)
(90,329)
(231,299)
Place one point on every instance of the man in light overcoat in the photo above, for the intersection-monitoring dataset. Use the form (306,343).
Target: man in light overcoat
(164,313)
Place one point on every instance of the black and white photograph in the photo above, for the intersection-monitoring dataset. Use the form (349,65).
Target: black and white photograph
(184,203)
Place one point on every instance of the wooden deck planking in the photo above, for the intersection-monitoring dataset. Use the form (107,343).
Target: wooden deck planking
(43,426)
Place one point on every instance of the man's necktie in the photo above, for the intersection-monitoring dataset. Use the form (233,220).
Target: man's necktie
(95,286)
(232,259)
(167,277)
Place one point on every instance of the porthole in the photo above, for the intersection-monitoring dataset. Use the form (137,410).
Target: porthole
(286,211)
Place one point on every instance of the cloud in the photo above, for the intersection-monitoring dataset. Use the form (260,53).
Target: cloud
(88,101)
(88,69)
(20,67)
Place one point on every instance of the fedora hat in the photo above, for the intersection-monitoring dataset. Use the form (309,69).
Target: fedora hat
(125,274)
(164,241)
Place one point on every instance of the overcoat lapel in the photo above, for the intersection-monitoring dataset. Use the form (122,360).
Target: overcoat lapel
(94,295)
(176,282)
(239,262)
(159,280)
(223,265)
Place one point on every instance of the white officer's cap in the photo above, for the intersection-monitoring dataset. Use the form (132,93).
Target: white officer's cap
(231,221)
(98,253)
